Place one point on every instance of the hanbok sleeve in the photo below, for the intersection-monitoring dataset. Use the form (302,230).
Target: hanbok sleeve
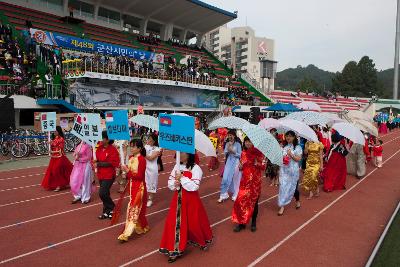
(238,150)
(193,183)
(171,180)
(86,154)
(298,151)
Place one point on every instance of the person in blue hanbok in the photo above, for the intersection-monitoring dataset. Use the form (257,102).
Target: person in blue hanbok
(289,172)
(232,150)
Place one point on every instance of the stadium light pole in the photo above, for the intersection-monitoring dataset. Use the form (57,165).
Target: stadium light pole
(396,54)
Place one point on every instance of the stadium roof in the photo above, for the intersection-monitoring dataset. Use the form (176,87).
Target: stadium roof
(193,15)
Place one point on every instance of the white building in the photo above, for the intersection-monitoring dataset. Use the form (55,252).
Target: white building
(241,49)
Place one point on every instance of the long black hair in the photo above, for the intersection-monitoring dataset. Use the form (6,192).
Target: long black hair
(244,142)
(295,141)
(237,139)
(191,161)
(139,144)
(155,138)
(60,131)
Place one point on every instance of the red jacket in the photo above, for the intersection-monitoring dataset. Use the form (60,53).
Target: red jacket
(378,151)
(109,154)
(140,175)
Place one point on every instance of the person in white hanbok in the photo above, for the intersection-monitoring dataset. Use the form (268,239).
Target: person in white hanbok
(152,153)
(289,173)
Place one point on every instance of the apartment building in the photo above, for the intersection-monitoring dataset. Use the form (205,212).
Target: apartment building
(241,50)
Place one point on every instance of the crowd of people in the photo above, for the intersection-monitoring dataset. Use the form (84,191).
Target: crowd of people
(17,64)
(306,165)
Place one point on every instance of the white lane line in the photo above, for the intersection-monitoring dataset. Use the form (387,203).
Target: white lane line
(382,237)
(33,199)
(22,176)
(42,173)
(72,210)
(156,250)
(85,235)
(280,243)
(21,187)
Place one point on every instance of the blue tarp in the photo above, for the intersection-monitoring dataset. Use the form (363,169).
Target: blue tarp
(282,107)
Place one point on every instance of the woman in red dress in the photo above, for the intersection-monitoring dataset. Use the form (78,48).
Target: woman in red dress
(187,220)
(246,205)
(136,212)
(60,168)
(335,171)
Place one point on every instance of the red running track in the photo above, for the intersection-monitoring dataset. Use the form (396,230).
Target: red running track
(40,228)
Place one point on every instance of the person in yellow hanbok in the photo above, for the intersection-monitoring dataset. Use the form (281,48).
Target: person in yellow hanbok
(314,163)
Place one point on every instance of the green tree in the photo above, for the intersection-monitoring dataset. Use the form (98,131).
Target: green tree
(308,85)
(349,81)
(369,77)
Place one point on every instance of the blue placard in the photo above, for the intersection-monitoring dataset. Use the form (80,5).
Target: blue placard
(176,133)
(117,125)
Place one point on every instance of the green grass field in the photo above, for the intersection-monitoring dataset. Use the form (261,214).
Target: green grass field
(389,253)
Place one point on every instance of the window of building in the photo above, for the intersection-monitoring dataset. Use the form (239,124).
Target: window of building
(51,4)
(109,16)
(82,9)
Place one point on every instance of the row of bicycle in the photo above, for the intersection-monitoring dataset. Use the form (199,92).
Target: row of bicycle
(23,143)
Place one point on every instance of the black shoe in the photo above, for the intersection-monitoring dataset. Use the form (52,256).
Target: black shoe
(239,228)
(253,228)
(75,201)
(172,259)
(86,202)
(103,216)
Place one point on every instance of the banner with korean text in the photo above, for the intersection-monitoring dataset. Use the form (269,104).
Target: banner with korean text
(87,127)
(90,46)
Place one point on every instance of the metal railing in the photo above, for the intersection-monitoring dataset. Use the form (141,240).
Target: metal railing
(77,68)
(52,91)
(250,80)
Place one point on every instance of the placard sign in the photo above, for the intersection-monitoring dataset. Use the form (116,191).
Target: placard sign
(117,125)
(48,121)
(87,127)
(176,133)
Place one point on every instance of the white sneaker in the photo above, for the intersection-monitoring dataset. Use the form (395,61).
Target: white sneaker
(233,199)
(222,199)
(149,203)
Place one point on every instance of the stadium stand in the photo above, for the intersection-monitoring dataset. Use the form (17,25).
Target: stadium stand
(332,104)
(239,93)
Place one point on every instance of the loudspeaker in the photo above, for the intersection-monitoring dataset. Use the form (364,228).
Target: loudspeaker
(7,119)
(254,116)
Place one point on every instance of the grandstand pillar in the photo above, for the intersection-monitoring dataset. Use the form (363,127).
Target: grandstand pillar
(65,7)
(96,10)
(182,35)
(143,26)
(166,31)
(199,38)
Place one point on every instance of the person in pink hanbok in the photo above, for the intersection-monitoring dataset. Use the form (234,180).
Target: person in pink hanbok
(81,176)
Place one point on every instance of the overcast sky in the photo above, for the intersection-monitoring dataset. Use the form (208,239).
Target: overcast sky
(326,33)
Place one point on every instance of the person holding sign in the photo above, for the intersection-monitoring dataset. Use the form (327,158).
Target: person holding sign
(107,160)
(152,153)
(136,212)
(59,170)
(187,220)
(81,176)
(232,150)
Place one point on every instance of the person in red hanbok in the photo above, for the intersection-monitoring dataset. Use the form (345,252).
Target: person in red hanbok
(60,168)
(252,164)
(187,220)
(136,212)
(335,171)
